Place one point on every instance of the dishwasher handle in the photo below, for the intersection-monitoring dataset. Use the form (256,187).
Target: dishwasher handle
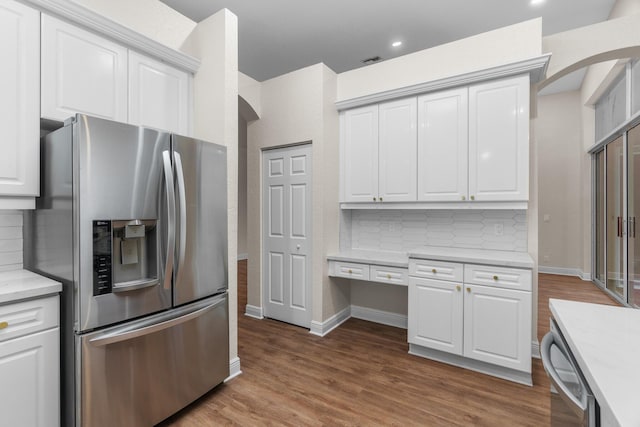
(579,406)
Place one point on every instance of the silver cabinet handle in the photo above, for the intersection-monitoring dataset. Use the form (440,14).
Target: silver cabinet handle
(171,218)
(182,199)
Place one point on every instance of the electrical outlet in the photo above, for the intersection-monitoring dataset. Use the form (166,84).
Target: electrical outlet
(546,218)
(498,229)
(545,258)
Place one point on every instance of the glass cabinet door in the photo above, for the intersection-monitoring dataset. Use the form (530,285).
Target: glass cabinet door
(615,218)
(633,194)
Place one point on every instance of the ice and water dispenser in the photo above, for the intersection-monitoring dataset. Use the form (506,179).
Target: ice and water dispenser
(124,255)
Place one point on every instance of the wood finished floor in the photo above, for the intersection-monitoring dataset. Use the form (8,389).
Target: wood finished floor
(361,375)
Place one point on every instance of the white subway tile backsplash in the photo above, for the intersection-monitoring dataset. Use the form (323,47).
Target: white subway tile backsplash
(399,230)
(10,240)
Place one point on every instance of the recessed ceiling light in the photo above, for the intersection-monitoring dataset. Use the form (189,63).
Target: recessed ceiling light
(536,2)
(396,43)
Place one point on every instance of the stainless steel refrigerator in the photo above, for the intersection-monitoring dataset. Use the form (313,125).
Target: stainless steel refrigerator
(133,222)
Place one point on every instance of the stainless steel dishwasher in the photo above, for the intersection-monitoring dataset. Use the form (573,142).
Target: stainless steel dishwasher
(572,402)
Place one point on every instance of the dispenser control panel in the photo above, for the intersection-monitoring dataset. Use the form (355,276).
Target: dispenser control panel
(102,257)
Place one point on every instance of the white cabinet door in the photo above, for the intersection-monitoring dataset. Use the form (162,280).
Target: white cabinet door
(499,140)
(30,372)
(81,73)
(397,165)
(442,146)
(497,326)
(360,154)
(158,95)
(435,314)
(19,100)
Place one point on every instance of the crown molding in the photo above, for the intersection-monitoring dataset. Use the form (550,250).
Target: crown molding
(81,16)
(535,67)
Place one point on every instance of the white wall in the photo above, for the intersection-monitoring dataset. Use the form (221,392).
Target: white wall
(588,44)
(502,46)
(558,130)
(242,187)
(299,107)
(215,89)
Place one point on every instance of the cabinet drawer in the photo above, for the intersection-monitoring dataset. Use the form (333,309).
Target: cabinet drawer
(436,269)
(501,277)
(393,275)
(350,270)
(28,317)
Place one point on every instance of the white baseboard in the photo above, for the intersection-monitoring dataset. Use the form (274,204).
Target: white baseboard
(323,328)
(379,316)
(253,311)
(565,272)
(234,369)
(243,257)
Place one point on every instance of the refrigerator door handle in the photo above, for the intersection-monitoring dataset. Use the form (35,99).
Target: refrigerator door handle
(182,199)
(159,323)
(171,218)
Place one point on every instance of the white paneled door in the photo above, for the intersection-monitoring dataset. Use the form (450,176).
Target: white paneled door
(19,99)
(286,212)
(397,150)
(443,146)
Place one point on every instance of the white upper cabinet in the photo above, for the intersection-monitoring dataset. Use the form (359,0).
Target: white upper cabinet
(499,140)
(397,149)
(442,146)
(158,95)
(19,103)
(360,154)
(456,146)
(81,73)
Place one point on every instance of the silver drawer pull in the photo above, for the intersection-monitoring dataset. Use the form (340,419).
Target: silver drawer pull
(495,278)
(4,325)
(350,271)
(434,271)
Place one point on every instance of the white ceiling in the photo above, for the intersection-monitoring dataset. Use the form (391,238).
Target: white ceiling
(279,36)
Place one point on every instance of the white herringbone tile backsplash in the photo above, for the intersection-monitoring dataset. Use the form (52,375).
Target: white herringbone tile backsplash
(10,240)
(403,230)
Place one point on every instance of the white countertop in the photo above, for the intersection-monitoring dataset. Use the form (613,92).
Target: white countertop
(21,284)
(474,256)
(390,259)
(437,253)
(605,341)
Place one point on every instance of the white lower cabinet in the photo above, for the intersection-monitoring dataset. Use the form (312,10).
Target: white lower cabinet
(497,326)
(30,363)
(488,324)
(435,314)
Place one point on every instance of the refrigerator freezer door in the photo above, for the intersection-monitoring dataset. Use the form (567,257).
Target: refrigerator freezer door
(120,173)
(140,373)
(201,234)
